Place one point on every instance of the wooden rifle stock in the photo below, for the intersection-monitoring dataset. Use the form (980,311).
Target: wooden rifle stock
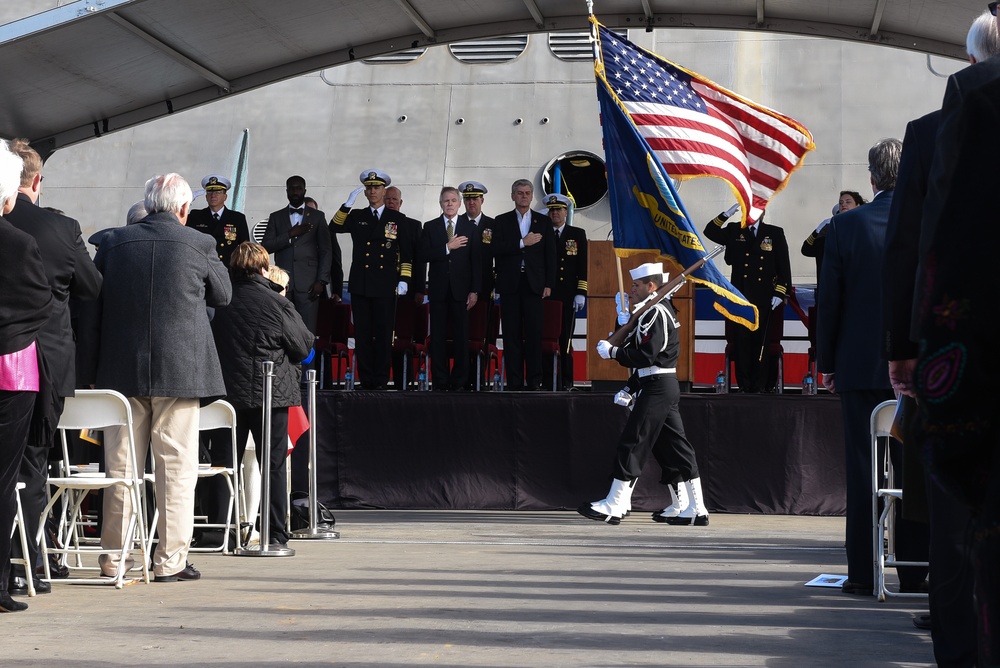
(664,291)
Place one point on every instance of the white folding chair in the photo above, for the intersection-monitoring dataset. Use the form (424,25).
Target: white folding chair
(98,409)
(29,570)
(221,415)
(883,489)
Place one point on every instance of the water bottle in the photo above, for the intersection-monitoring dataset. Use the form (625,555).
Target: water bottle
(720,383)
(496,381)
(808,384)
(422,380)
(348,381)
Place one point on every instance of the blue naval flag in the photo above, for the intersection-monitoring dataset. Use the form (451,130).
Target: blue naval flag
(647,213)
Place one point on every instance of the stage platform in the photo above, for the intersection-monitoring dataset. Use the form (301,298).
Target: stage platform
(546,451)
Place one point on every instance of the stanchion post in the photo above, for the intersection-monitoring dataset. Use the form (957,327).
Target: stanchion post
(313,532)
(265,549)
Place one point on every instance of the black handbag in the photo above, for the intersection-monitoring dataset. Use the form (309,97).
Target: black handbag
(300,513)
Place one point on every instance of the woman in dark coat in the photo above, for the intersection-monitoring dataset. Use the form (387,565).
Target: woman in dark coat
(260,325)
(24,308)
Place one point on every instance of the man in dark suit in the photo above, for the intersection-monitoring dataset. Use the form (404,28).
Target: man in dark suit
(417,288)
(571,278)
(381,268)
(450,246)
(762,271)
(71,274)
(850,350)
(227,227)
(952,618)
(159,280)
(336,258)
(300,240)
(525,254)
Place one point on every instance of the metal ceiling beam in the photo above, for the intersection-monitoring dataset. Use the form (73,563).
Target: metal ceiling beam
(648,12)
(169,51)
(760,12)
(535,13)
(417,19)
(877,19)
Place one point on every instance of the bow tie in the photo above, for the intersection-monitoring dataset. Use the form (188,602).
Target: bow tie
(292,210)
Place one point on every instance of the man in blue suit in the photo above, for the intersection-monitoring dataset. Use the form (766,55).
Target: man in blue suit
(851,354)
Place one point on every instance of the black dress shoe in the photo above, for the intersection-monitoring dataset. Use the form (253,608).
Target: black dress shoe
(19,587)
(697,520)
(592,514)
(922,622)
(7,604)
(859,588)
(189,573)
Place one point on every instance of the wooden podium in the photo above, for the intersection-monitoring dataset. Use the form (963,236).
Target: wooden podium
(602,283)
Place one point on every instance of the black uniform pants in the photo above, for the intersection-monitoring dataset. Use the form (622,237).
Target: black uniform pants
(373,320)
(442,311)
(565,337)
(756,372)
(15,417)
(250,421)
(655,426)
(521,319)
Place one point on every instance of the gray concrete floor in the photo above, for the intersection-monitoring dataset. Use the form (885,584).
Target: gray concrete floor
(491,589)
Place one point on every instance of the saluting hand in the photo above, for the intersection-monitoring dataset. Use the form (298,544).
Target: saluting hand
(457,242)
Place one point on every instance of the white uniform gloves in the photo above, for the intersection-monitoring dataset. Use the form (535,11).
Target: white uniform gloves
(353,196)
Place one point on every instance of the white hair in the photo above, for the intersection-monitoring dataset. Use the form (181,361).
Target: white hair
(10,172)
(983,42)
(167,192)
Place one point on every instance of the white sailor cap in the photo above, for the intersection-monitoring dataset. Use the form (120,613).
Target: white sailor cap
(647,270)
(472,189)
(556,201)
(374,177)
(216,182)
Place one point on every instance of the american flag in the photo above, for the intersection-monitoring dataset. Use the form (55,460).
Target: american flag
(697,128)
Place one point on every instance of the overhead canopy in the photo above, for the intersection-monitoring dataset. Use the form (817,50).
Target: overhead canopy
(95,66)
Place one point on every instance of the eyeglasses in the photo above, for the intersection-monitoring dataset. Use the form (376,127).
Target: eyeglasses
(993,8)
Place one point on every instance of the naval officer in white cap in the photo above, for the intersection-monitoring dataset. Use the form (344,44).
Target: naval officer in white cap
(655,423)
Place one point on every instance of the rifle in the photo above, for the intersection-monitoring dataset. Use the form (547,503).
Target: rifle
(662,292)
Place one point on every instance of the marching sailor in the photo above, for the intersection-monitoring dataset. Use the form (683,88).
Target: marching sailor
(655,423)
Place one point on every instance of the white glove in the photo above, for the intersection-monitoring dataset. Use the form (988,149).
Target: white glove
(775,302)
(578,303)
(349,202)
(822,225)
(605,350)
(623,398)
(621,301)
(732,210)
(401,288)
